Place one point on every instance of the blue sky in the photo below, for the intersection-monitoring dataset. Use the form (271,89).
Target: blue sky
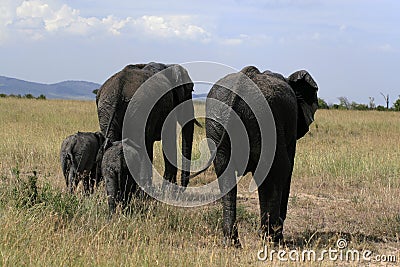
(351,47)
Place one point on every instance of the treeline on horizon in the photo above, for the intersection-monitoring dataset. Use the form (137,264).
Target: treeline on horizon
(27,96)
(344,103)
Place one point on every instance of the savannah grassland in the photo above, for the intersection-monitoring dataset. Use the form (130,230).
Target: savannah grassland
(346,183)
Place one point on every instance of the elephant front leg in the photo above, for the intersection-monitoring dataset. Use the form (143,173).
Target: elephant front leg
(269,194)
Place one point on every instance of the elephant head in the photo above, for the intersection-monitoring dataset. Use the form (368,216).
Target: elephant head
(306,93)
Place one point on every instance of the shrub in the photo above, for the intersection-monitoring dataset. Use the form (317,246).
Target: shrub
(322,104)
(41,97)
(396,105)
(26,194)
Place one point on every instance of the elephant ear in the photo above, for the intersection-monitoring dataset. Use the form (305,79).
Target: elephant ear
(306,93)
(250,71)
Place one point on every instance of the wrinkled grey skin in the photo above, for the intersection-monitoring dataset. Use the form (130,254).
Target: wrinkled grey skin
(120,184)
(293,102)
(115,94)
(78,159)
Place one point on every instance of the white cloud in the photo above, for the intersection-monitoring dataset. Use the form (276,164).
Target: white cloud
(41,19)
(33,9)
(386,48)
(171,26)
(36,19)
(343,27)
(232,41)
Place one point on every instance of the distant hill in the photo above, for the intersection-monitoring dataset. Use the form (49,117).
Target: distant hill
(63,90)
(79,90)
(200,96)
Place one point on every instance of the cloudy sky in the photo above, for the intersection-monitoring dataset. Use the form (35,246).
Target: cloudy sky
(351,47)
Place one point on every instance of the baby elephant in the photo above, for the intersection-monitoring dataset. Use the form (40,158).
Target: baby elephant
(120,185)
(78,159)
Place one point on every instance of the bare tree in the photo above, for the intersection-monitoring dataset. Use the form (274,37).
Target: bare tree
(344,102)
(371,102)
(386,100)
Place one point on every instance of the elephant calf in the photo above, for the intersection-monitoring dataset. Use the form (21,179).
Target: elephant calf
(78,159)
(120,184)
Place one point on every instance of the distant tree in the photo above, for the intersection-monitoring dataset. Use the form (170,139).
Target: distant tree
(29,96)
(3,95)
(322,104)
(386,100)
(371,102)
(95,91)
(396,105)
(344,102)
(41,97)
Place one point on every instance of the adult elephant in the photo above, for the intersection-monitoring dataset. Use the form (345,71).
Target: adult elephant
(293,102)
(115,95)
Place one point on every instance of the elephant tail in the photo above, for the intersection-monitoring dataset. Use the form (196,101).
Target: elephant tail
(65,165)
(212,156)
(197,123)
(233,102)
(99,160)
(206,167)
(72,169)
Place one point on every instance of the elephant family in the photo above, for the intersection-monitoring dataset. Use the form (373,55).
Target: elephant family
(78,159)
(122,90)
(119,181)
(293,102)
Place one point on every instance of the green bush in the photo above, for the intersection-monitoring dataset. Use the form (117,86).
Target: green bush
(322,104)
(396,105)
(41,97)
(26,194)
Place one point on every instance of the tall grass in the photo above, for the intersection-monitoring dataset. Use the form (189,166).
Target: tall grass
(345,184)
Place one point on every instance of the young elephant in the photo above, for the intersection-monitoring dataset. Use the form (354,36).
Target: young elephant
(120,184)
(78,159)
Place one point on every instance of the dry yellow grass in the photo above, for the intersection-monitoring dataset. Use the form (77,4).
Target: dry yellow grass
(346,183)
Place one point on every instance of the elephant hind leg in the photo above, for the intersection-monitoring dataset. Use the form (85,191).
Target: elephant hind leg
(86,183)
(127,190)
(92,180)
(272,193)
(228,187)
(170,155)
(111,185)
(73,181)
(269,195)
